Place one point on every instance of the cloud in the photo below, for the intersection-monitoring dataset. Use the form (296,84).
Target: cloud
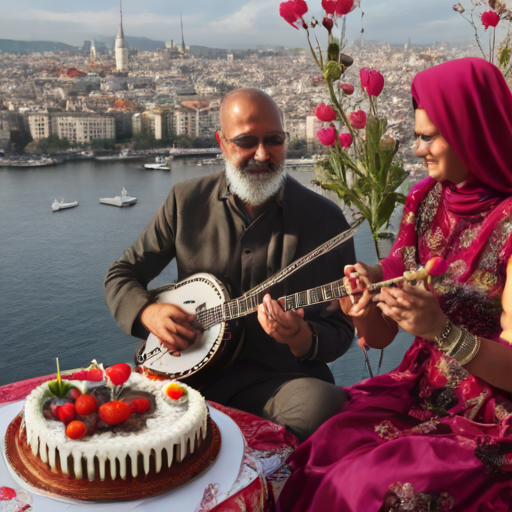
(227,23)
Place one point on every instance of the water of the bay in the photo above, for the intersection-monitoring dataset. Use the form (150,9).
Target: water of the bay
(53,265)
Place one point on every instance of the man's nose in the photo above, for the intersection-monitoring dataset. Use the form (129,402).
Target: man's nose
(261,154)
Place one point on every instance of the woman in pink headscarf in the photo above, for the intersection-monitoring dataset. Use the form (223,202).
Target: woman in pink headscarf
(436,433)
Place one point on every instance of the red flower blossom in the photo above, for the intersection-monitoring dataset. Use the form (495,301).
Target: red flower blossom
(347,89)
(345,140)
(329,6)
(327,136)
(344,7)
(371,81)
(338,7)
(325,113)
(490,19)
(7,494)
(292,11)
(358,119)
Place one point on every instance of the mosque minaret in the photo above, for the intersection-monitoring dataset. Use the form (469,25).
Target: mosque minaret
(121,47)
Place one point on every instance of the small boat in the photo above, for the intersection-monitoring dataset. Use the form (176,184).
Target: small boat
(61,205)
(161,164)
(120,201)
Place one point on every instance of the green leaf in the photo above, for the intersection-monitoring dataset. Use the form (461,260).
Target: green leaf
(504,56)
(59,389)
(385,209)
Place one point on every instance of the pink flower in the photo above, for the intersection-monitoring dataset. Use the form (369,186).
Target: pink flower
(345,140)
(338,7)
(490,19)
(325,113)
(347,89)
(371,81)
(327,136)
(328,24)
(292,11)
(344,7)
(358,119)
(7,494)
(436,266)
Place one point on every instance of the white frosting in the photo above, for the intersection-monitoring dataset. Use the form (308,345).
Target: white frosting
(168,426)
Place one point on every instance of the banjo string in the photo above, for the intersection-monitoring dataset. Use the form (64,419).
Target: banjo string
(248,302)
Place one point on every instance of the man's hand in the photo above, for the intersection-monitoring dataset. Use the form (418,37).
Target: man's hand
(171,325)
(287,327)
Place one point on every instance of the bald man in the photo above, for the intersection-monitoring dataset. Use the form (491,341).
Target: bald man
(242,225)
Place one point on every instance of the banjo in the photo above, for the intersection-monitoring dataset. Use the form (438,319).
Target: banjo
(222,338)
(220,342)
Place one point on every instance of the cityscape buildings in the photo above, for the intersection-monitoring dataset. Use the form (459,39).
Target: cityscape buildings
(174,92)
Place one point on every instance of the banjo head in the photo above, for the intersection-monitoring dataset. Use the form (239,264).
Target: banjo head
(198,292)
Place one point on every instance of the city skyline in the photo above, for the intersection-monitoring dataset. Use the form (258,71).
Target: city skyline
(226,24)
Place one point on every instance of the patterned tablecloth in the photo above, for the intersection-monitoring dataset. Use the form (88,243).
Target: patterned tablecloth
(259,483)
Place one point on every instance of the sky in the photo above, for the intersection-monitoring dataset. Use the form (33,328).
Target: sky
(224,23)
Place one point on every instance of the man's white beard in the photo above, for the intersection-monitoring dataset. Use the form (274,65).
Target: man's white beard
(254,189)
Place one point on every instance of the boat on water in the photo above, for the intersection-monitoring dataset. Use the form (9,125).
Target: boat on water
(61,205)
(123,200)
(28,162)
(161,164)
(125,154)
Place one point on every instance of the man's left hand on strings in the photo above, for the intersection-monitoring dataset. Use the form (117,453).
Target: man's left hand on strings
(287,327)
(414,308)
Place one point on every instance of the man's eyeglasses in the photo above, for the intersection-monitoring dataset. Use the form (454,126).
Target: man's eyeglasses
(251,141)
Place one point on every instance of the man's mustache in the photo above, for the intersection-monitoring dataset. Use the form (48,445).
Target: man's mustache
(253,164)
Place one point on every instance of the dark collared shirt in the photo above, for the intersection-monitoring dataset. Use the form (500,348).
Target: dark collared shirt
(202,227)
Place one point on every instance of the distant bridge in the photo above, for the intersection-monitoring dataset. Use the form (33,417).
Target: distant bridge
(191,152)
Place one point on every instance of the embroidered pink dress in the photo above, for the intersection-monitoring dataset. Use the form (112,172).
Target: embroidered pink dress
(427,436)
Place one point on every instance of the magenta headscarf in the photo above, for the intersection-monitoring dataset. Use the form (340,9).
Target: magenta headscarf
(471,105)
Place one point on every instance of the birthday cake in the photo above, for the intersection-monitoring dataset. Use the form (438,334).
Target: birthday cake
(111,429)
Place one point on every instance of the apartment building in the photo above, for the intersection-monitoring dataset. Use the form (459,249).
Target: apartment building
(79,127)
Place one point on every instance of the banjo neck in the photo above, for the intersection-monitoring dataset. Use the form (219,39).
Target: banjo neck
(247,304)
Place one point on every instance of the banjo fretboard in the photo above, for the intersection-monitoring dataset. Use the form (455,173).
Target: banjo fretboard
(249,304)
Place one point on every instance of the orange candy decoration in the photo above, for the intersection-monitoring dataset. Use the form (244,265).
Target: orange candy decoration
(86,404)
(175,391)
(76,430)
(113,413)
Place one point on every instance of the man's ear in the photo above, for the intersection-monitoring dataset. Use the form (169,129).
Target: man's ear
(217,138)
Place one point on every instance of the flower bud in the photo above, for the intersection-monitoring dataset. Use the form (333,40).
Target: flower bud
(328,24)
(345,140)
(332,71)
(346,60)
(347,89)
(358,119)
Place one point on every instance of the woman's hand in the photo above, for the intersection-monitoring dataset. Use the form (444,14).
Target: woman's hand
(414,309)
(367,274)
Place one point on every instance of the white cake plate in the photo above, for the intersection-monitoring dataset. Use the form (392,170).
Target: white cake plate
(224,471)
